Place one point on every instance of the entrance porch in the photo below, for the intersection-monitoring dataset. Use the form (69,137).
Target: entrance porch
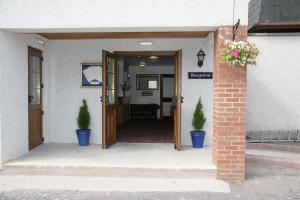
(122,158)
(123,167)
(224,103)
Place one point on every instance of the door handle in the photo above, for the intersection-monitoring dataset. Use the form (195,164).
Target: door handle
(30,98)
(101,99)
(181,99)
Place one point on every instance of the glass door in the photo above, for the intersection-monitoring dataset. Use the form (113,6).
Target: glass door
(109,99)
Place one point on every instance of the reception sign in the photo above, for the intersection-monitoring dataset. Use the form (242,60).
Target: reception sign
(200,75)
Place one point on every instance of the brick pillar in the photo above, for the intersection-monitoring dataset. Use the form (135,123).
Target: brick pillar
(229,115)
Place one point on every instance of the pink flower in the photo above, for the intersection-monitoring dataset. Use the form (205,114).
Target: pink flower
(236,53)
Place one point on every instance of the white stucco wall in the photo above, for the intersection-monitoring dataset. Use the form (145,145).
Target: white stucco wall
(14,93)
(119,15)
(1,95)
(65,93)
(274,85)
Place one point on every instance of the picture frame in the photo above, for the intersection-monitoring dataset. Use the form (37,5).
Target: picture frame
(91,74)
(147,81)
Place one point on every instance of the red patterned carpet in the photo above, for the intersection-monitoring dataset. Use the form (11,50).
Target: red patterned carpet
(146,131)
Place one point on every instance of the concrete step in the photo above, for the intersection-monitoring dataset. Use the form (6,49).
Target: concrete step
(110,184)
(171,173)
(274,158)
(293,147)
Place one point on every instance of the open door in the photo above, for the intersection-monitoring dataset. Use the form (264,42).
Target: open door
(35,104)
(178,100)
(109,99)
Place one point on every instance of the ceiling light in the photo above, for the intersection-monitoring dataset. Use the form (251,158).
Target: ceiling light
(153,57)
(142,64)
(146,43)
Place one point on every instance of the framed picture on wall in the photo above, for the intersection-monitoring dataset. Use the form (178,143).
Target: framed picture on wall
(91,74)
(147,82)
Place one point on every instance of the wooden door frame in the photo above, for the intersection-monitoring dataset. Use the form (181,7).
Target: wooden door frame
(177,55)
(162,76)
(106,54)
(179,98)
(38,53)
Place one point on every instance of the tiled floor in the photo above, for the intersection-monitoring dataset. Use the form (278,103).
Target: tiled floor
(147,131)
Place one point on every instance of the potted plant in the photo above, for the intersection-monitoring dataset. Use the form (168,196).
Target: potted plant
(83,121)
(198,134)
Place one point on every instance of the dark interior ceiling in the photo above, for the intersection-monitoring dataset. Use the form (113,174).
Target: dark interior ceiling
(159,61)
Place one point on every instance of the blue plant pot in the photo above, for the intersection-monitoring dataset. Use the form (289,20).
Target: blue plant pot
(83,136)
(198,138)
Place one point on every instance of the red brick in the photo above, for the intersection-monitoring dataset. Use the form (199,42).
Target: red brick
(229,120)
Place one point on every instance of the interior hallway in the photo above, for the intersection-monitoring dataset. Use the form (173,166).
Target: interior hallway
(147,131)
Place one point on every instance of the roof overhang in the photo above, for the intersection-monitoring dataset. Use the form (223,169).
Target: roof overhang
(275,28)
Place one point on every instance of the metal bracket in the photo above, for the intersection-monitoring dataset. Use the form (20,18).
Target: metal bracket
(234,29)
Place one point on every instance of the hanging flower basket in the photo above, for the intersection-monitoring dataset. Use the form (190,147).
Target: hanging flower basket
(239,53)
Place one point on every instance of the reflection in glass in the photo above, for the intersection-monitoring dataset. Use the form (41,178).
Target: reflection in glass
(111,97)
(111,81)
(35,80)
(110,65)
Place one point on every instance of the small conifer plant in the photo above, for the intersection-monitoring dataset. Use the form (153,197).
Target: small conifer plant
(84,118)
(198,117)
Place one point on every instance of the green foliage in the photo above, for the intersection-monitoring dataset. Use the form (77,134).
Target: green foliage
(198,117)
(84,118)
(239,53)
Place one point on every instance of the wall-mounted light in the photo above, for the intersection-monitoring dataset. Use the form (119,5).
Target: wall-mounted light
(200,56)
(39,41)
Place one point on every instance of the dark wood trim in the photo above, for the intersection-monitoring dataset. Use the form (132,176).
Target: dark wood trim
(118,35)
(34,52)
(274,28)
(177,94)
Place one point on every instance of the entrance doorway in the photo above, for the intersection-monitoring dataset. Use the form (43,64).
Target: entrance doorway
(140,120)
(35,103)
